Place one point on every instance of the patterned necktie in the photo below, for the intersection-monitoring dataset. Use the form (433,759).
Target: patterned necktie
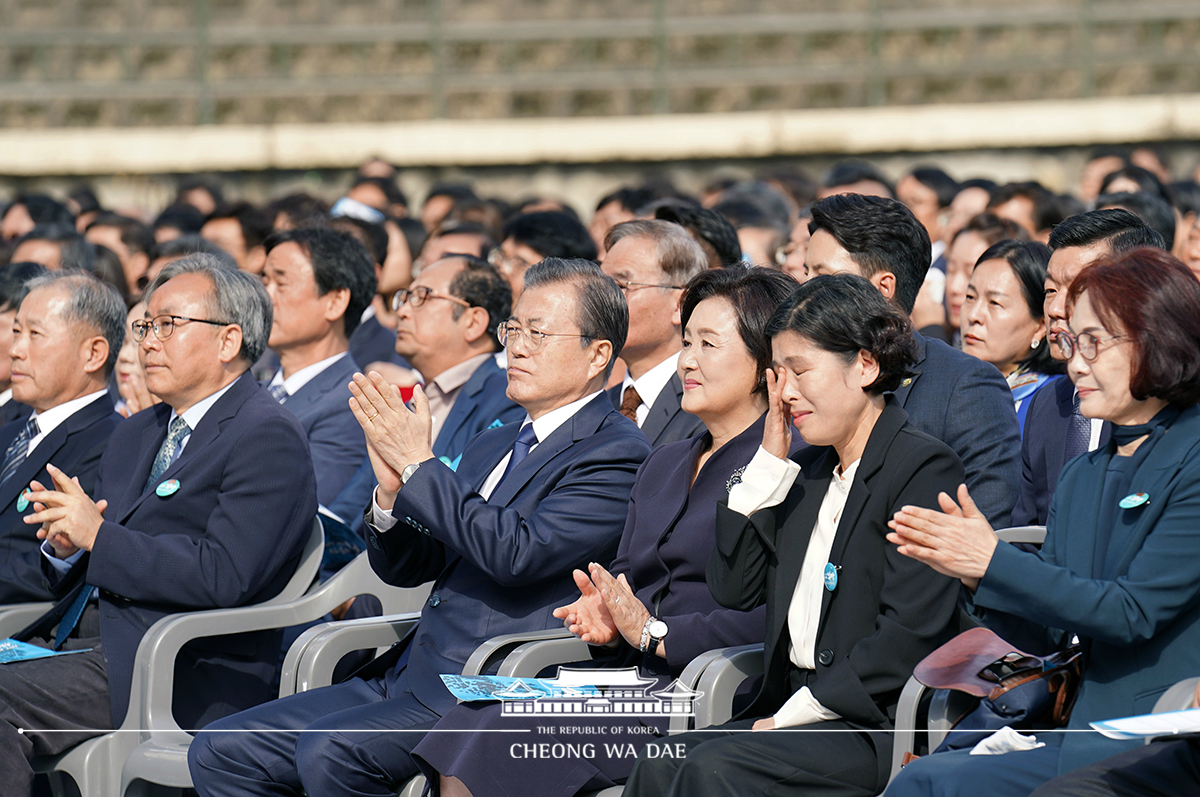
(526,439)
(18,450)
(166,454)
(278,392)
(630,403)
(1079,433)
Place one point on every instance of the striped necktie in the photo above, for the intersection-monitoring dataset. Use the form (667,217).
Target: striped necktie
(18,450)
(278,392)
(166,453)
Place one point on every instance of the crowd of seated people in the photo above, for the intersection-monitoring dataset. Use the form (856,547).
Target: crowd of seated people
(782,411)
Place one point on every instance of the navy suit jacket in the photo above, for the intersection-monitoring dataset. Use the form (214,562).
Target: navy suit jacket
(965,403)
(231,535)
(13,410)
(482,404)
(501,566)
(666,422)
(1140,620)
(1042,449)
(335,438)
(75,447)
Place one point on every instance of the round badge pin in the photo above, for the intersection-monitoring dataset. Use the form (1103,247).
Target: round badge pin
(23,500)
(831,577)
(169,487)
(1137,499)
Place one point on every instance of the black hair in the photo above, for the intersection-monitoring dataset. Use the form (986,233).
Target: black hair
(979,182)
(387,185)
(182,217)
(711,230)
(942,184)
(75,251)
(1110,151)
(845,314)
(301,209)
(338,261)
(14,283)
(1028,261)
(371,235)
(84,198)
(1151,208)
(1046,210)
(256,224)
(414,233)
(42,209)
(1087,229)
(796,182)
(456,191)
(755,292)
(880,235)
(108,268)
(1146,180)
(849,172)
(192,244)
(745,212)
(1185,196)
(211,187)
(136,236)
(480,284)
(551,234)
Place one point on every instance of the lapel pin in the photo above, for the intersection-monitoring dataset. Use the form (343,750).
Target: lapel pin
(169,487)
(831,576)
(23,500)
(1137,499)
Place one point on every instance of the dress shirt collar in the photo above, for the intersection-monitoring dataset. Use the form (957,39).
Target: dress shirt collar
(5,397)
(544,426)
(456,376)
(651,383)
(305,375)
(194,414)
(51,418)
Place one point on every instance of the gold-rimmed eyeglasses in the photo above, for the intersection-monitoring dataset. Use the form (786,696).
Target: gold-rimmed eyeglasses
(163,326)
(509,333)
(419,295)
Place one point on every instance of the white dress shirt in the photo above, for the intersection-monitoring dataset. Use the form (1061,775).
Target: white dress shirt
(49,420)
(305,375)
(543,427)
(650,384)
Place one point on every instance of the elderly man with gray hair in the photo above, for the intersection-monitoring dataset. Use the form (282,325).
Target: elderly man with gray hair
(651,262)
(66,335)
(186,518)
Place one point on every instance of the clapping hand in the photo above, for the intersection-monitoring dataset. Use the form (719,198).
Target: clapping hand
(69,519)
(957,541)
(606,609)
(396,436)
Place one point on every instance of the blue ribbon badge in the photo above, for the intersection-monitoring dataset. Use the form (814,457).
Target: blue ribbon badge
(23,500)
(1131,501)
(169,487)
(831,578)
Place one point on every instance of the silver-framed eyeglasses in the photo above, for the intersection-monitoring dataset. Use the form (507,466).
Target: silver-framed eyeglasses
(419,295)
(630,287)
(509,333)
(1087,344)
(163,326)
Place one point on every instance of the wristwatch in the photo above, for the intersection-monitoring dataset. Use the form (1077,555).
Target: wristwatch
(408,472)
(652,634)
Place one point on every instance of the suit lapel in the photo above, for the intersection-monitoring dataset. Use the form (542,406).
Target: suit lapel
(905,388)
(666,406)
(338,373)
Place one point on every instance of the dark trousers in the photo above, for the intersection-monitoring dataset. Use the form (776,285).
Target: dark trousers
(1165,768)
(47,706)
(959,774)
(828,759)
(353,738)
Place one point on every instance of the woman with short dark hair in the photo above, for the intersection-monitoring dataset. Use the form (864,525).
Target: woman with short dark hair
(1120,567)
(1002,320)
(848,617)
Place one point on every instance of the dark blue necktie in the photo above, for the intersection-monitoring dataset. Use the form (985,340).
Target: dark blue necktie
(1079,433)
(526,439)
(278,392)
(18,450)
(71,618)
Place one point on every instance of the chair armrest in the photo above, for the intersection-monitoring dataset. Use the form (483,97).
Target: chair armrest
(499,647)
(527,660)
(1032,535)
(905,739)
(15,617)
(325,645)
(720,680)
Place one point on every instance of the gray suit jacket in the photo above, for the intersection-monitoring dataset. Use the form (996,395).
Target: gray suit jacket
(666,422)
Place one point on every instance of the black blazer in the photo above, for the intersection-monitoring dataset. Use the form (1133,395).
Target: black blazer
(666,422)
(887,612)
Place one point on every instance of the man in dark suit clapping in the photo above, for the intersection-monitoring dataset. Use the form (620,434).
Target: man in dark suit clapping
(205,501)
(530,502)
(65,340)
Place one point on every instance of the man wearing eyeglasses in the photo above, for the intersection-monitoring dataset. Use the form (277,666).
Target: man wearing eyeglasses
(652,261)
(61,366)
(205,501)
(530,503)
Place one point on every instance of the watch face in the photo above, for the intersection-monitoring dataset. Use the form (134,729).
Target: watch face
(658,629)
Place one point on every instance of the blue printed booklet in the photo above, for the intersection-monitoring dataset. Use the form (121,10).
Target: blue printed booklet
(1165,724)
(468,688)
(11,650)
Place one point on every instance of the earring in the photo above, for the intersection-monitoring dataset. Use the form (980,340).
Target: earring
(1035,343)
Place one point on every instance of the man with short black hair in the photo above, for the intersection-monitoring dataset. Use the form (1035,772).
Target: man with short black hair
(240,229)
(132,241)
(319,281)
(855,177)
(1150,208)
(27,211)
(1055,431)
(652,261)
(64,342)
(532,237)
(530,502)
(962,401)
(55,246)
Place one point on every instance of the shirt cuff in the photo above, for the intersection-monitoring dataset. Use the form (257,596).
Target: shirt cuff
(381,518)
(802,709)
(61,566)
(765,482)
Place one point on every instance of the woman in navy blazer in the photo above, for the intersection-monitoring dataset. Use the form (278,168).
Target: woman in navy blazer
(660,561)
(1121,564)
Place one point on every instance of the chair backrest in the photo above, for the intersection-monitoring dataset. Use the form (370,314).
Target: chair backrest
(1033,535)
